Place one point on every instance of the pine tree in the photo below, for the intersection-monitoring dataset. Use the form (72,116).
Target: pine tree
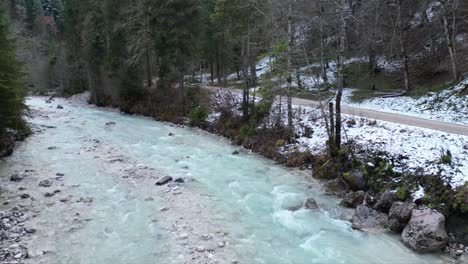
(12,90)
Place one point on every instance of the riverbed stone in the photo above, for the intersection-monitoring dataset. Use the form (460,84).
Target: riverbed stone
(399,216)
(164,180)
(353,199)
(25,196)
(59,107)
(179,180)
(16,178)
(368,219)
(311,204)
(385,201)
(45,183)
(425,231)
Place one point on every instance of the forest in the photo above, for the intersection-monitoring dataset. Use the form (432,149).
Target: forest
(370,97)
(141,52)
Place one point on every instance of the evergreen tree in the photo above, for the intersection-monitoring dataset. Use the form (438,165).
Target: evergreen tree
(12,90)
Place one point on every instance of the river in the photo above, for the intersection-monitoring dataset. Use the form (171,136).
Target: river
(231,209)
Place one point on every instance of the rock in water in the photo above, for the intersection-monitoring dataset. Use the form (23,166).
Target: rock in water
(45,183)
(311,204)
(368,219)
(399,216)
(16,178)
(235,153)
(385,201)
(164,180)
(48,194)
(59,107)
(180,180)
(111,124)
(353,200)
(25,196)
(426,231)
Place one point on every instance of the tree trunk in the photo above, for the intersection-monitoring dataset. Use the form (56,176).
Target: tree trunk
(372,65)
(450,46)
(211,71)
(148,68)
(403,51)
(331,133)
(340,74)
(218,75)
(245,53)
(290,49)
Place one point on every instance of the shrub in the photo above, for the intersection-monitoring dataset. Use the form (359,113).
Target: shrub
(402,193)
(198,116)
(446,159)
(461,199)
(280,143)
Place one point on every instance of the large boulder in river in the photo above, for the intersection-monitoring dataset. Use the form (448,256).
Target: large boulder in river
(386,201)
(399,216)
(368,219)
(353,199)
(311,204)
(426,231)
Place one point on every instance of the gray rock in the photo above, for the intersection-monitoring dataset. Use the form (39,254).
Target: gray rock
(354,199)
(294,207)
(30,230)
(59,107)
(399,216)
(164,180)
(385,201)
(48,194)
(311,204)
(16,178)
(180,180)
(425,231)
(45,183)
(235,153)
(48,101)
(25,196)
(111,124)
(355,180)
(368,219)
(201,249)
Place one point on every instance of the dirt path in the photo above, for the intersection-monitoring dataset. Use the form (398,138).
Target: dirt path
(394,118)
(388,117)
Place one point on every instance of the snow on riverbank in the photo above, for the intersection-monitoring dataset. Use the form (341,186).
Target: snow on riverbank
(412,148)
(447,106)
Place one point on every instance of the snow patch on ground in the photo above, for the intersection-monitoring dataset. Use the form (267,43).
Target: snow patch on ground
(447,106)
(412,148)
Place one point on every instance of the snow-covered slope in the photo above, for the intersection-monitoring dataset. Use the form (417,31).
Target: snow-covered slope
(413,148)
(448,106)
